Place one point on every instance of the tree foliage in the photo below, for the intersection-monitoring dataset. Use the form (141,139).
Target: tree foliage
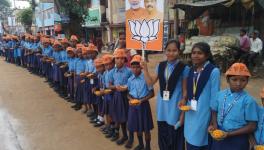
(75,9)
(25,17)
(4,3)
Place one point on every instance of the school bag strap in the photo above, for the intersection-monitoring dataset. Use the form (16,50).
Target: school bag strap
(204,77)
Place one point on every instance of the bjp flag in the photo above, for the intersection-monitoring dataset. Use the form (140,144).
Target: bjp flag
(144,24)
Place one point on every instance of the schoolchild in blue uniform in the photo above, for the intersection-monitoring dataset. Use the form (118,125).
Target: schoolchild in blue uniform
(234,112)
(109,64)
(71,60)
(63,68)
(56,59)
(17,52)
(22,46)
(98,90)
(172,75)
(12,49)
(259,133)
(30,53)
(89,102)
(202,85)
(79,69)
(139,113)
(118,83)
(46,53)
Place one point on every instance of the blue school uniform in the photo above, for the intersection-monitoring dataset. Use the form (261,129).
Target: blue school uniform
(234,111)
(55,67)
(88,96)
(168,112)
(120,102)
(63,57)
(196,122)
(70,84)
(107,97)
(46,67)
(98,86)
(79,68)
(259,134)
(139,117)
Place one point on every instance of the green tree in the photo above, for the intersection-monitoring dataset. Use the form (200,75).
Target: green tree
(4,3)
(25,17)
(75,9)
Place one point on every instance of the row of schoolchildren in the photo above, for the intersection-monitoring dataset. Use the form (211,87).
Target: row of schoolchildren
(102,86)
(193,113)
(106,87)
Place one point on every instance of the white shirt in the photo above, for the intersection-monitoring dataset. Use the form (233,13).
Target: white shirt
(256,45)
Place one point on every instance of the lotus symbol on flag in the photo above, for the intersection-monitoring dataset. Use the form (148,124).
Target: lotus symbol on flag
(144,31)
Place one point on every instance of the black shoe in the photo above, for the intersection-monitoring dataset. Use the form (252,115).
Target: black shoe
(93,117)
(139,147)
(73,106)
(122,141)
(90,114)
(115,137)
(94,120)
(129,144)
(99,124)
(109,133)
(78,107)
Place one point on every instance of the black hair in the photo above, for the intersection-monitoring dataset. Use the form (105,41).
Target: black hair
(135,63)
(243,30)
(173,41)
(205,47)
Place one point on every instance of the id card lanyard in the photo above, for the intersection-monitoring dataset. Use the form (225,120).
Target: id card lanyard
(166,93)
(230,106)
(196,78)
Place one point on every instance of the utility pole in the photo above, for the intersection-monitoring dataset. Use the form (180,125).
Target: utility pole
(176,21)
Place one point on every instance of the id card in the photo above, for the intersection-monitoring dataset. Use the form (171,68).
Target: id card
(194,105)
(51,64)
(91,81)
(166,95)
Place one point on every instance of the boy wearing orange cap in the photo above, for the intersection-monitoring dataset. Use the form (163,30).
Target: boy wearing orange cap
(109,64)
(234,112)
(259,134)
(90,70)
(118,83)
(139,113)
(98,90)
(71,60)
(55,63)
(79,70)
(46,52)
(63,67)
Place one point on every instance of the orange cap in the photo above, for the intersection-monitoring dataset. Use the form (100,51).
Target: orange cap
(238,69)
(69,49)
(56,43)
(107,58)
(92,48)
(74,38)
(136,58)
(98,62)
(64,41)
(262,93)
(120,53)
